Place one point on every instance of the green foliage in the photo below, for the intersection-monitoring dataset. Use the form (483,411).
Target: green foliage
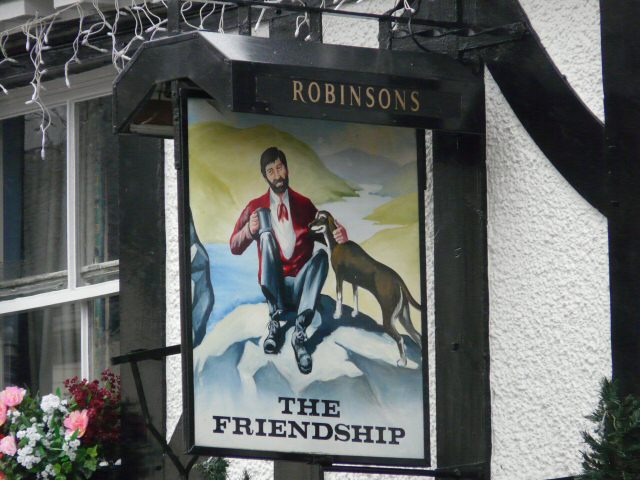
(614,448)
(214,468)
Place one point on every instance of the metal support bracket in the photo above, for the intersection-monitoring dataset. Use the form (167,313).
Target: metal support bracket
(492,37)
(463,472)
(132,358)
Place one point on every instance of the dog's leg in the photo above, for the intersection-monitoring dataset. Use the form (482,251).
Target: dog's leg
(402,361)
(355,300)
(405,320)
(389,316)
(338,312)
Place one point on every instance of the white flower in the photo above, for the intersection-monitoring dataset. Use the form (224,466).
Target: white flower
(26,450)
(26,459)
(49,403)
(70,447)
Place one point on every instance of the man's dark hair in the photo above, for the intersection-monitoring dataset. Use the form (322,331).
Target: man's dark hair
(270,155)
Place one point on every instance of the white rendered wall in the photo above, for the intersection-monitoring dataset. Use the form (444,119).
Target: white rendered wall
(548,270)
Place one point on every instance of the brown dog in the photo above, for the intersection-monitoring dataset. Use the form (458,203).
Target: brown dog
(352,264)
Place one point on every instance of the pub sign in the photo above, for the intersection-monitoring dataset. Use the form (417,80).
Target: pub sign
(301,190)
(306,286)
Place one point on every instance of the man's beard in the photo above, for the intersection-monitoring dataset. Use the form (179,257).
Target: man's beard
(280,188)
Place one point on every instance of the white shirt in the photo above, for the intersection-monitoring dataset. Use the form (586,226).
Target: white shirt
(283,229)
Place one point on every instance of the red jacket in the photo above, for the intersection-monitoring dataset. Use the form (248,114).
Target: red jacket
(302,213)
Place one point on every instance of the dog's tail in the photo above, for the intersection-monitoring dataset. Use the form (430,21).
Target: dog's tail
(405,291)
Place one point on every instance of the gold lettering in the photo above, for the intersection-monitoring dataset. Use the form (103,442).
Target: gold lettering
(401,97)
(385,104)
(329,93)
(297,91)
(314,98)
(341,94)
(370,97)
(415,100)
(357,94)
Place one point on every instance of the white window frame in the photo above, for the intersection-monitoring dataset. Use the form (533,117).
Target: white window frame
(86,86)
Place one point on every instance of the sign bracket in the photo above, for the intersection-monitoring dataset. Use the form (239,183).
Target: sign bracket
(463,472)
(132,358)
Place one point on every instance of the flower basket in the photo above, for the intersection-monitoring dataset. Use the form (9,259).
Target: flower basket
(61,437)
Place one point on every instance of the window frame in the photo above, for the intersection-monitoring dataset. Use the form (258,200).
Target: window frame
(85,86)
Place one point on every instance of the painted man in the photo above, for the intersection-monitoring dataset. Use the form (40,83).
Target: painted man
(291,274)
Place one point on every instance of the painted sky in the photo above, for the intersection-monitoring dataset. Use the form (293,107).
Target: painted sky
(326,138)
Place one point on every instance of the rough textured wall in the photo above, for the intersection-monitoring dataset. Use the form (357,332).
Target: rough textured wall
(548,270)
(548,267)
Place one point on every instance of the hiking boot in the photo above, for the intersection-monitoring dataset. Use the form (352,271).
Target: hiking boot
(270,345)
(303,358)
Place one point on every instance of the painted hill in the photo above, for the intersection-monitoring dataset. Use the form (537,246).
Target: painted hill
(404,181)
(399,211)
(360,167)
(224,172)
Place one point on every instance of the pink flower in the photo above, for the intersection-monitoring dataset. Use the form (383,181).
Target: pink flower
(8,446)
(77,422)
(12,396)
(2,476)
(3,416)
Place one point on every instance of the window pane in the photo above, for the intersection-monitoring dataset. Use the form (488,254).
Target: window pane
(97,192)
(34,240)
(40,349)
(105,326)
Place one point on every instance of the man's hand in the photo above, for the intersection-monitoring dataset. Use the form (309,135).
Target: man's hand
(340,233)
(254,224)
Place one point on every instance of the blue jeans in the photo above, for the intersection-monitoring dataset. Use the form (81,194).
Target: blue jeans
(299,293)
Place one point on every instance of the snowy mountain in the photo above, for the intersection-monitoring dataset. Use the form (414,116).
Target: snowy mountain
(354,362)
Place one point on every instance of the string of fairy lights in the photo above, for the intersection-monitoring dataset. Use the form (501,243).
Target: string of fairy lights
(149,20)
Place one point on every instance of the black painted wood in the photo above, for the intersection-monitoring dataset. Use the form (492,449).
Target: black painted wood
(557,120)
(463,399)
(621,71)
(463,410)
(142,296)
(554,115)
(245,20)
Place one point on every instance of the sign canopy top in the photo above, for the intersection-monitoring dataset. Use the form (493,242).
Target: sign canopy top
(273,76)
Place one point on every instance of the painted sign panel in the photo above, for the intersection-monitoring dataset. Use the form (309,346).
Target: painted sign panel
(306,303)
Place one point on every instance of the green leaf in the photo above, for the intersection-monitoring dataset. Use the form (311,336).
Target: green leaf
(614,446)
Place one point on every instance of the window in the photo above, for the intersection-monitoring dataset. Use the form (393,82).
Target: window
(59,237)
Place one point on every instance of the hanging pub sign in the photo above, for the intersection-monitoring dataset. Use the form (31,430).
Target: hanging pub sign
(301,175)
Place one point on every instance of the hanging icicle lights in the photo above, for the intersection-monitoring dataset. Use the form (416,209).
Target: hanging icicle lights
(149,19)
